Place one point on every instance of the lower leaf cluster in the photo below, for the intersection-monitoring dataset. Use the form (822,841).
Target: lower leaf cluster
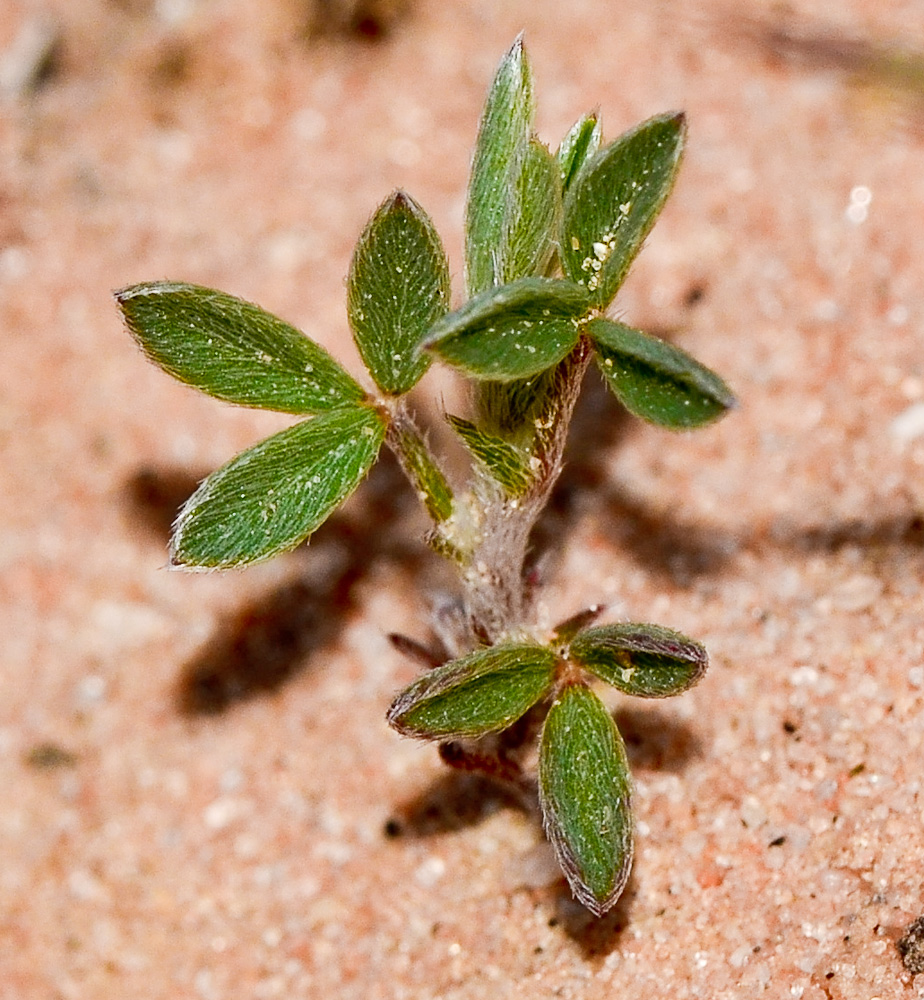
(584,781)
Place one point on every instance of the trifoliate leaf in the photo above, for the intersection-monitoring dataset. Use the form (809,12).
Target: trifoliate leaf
(505,463)
(233,349)
(578,146)
(584,790)
(655,380)
(648,661)
(503,140)
(271,497)
(513,331)
(398,287)
(613,202)
(533,222)
(477,694)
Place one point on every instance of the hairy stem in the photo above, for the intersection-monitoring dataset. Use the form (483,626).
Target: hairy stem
(496,599)
(409,446)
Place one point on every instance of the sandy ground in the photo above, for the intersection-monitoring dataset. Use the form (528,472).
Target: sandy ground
(200,795)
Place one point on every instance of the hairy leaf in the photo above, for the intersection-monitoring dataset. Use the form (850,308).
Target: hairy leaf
(398,287)
(655,380)
(584,790)
(233,349)
(532,225)
(510,409)
(270,498)
(613,202)
(578,146)
(506,464)
(480,693)
(503,140)
(649,661)
(513,331)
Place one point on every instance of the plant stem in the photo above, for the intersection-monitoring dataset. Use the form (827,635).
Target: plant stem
(409,446)
(496,598)
(488,537)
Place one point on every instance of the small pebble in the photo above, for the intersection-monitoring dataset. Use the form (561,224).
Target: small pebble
(430,871)
(909,424)
(25,62)
(48,756)
(856,593)
(911,947)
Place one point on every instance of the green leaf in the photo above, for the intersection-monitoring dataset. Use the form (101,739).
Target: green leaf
(513,331)
(510,409)
(533,223)
(481,693)
(584,790)
(398,287)
(233,349)
(270,498)
(578,146)
(648,661)
(421,468)
(613,203)
(655,380)
(503,140)
(525,409)
(506,464)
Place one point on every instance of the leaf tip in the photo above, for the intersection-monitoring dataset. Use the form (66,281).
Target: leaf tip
(131,291)
(517,59)
(123,298)
(599,906)
(178,559)
(145,288)
(399,199)
(177,562)
(679,120)
(393,716)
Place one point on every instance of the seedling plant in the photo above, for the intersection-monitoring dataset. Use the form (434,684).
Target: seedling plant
(549,238)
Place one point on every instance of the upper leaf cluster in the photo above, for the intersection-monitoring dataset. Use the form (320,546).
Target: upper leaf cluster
(582,213)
